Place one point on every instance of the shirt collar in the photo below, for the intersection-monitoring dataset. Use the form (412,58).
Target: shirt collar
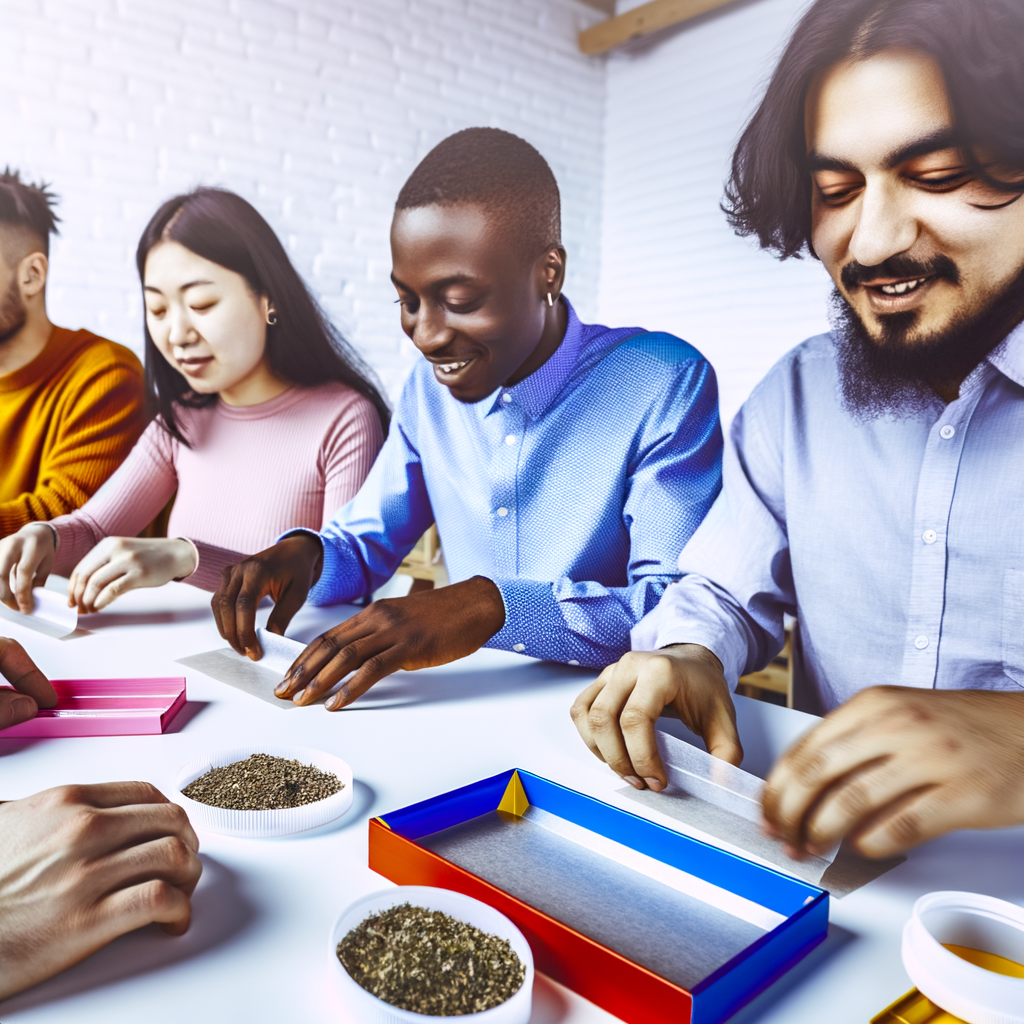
(1008,356)
(535,393)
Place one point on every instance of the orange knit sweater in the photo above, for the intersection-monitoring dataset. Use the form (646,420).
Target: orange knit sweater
(67,421)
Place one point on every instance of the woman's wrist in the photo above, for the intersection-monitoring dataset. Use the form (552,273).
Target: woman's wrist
(187,558)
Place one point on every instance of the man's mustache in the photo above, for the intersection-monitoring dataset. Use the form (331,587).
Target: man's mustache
(855,274)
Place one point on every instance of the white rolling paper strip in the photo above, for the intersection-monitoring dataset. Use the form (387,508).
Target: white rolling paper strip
(963,989)
(730,789)
(279,652)
(50,615)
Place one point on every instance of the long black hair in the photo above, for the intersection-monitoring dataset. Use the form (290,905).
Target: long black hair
(303,346)
(977,44)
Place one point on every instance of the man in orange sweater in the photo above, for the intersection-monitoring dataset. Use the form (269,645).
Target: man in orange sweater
(71,404)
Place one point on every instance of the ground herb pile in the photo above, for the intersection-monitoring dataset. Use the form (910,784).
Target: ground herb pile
(430,963)
(262,783)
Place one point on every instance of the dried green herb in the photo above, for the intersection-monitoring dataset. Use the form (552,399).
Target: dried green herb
(428,962)
(263,782)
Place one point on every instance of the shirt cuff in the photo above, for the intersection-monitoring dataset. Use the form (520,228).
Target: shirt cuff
(340,578)
(661,628)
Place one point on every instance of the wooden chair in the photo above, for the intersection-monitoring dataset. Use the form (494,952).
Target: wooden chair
(425,563)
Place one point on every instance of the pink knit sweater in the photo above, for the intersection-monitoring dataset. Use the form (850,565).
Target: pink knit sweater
(251,474)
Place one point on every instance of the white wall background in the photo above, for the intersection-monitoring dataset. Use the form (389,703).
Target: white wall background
(314,110)
(317,110)
(676,104)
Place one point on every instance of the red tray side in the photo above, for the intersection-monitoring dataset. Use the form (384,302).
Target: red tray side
(623,988)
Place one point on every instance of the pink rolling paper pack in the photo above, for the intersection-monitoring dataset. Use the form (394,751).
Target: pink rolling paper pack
(106,707)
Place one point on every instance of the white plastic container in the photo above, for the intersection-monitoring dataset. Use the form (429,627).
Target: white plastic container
(972,993)
(260,824)
(368,1009)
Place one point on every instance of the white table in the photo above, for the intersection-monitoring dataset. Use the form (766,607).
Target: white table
(257,950)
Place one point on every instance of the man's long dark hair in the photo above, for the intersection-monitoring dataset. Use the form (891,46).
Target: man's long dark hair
(303,347)
(978,44)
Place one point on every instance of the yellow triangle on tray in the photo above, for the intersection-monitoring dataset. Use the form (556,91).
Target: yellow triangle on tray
(514,801)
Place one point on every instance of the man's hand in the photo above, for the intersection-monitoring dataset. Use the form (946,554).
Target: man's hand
(286,571)
(119,564)
(26,558)
(616,714)
(430,628)
(32,690)
(894,767)
(81,865)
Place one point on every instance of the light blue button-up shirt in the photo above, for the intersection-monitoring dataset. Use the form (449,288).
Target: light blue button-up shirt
(898,543)
(573,490)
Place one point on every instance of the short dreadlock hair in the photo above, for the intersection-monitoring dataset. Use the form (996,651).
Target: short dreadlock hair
(498,171)
(28,209)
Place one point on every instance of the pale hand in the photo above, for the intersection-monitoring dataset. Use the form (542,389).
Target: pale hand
(616,714)
(81,865)
(894,767)
(26,558)
(119,564)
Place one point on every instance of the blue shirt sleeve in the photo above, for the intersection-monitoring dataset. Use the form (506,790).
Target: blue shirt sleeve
(674,478)
(737,580)
(382,524)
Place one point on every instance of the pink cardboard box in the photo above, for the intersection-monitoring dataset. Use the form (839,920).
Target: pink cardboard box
(106,707)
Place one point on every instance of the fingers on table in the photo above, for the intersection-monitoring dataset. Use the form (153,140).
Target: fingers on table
(616,716)
(15,708)
(29,555)
(134,907)
(242,587)
(719,732)
(95,589)
(24,675)
(329,659)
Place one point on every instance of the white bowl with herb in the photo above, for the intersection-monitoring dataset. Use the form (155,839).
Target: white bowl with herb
(432,949)
(255,792)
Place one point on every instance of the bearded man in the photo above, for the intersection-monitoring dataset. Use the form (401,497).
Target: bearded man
(874,480)
(72,404)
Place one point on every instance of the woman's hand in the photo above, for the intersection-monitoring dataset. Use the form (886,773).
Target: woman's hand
(26,558)
(119,564)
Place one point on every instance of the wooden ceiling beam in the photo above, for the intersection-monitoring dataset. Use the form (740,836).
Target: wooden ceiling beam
(642,21)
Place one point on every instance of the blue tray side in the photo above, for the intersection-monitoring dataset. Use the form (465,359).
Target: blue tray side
(760,965)
(761,885)
(441,812)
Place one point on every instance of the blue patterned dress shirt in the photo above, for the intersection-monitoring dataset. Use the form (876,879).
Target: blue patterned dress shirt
(897,543)
(573,491)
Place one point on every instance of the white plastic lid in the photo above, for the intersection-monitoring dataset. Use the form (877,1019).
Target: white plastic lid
(260,824)
(368,1009)
(963,989)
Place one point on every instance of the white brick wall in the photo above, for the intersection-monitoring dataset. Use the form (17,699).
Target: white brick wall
(676,104)
(314,110)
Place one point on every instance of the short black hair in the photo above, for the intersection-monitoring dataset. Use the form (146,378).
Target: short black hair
(498,171)
(977,44)
(27,206)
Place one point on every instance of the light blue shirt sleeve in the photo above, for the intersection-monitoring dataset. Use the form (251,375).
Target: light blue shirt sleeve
(673,480)
(737,582)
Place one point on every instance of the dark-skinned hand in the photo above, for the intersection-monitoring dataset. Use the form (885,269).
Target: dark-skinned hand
(433,627)
(32,690)
(286,571)
(895,766)
(616,714)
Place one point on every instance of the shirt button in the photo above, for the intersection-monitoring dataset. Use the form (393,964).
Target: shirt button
(929,536)
(519,648)
(921,643)
(947,431)
(506,398)
(573,661)
(502,512)
(511,439)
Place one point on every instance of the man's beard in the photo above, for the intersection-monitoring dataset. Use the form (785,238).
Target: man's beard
(891,376)
(12,312)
